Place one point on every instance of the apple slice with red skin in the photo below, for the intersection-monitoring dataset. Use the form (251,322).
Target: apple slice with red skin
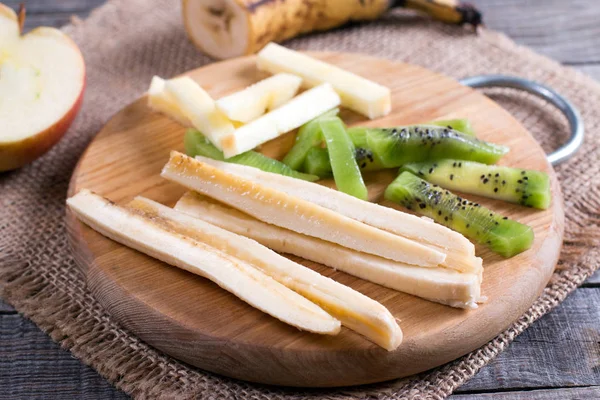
(42,80)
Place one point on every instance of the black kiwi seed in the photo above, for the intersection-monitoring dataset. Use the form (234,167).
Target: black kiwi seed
(522,172)
(495,190)
(486,180)
(451,176)
(519,181)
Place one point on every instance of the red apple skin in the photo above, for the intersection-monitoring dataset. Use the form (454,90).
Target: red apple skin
(14,155)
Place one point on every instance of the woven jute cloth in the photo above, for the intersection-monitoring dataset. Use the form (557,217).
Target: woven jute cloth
(125,43)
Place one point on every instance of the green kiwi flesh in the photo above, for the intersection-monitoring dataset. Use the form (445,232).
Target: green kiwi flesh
(462,125)
(346,173)
(197,145)
(502,235)
(317,163)
(520,186)
(417,143)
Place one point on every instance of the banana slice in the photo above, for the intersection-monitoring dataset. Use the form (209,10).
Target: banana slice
(357,93)
(252,102)
(291,115)
(293,213)
(199,108)
(353,309)
(159,100)
(155,237)
(460,251)
(440,285)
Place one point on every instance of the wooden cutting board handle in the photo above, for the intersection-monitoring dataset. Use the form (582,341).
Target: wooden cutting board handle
(231,28)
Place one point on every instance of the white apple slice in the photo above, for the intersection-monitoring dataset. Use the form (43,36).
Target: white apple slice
(358,94)
(161,101)
(291,115)
(252,102)
(199,108)
(158,238)
(42,80)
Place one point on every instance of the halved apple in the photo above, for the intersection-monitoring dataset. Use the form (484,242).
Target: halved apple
(42,80)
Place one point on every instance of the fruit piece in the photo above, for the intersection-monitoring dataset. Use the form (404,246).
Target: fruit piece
(346,173)
(460,125)
(460,252)
(199,108)
(42,80)
(289,116)
(161,101)
(521,186)
(231,28)
(365,158)
(253,101)
(502,235)
(197,145)
(355,310)
(357,93)
(308,137)
(317,163)
(436,284)
(290,212)
(159,238)
(417,143)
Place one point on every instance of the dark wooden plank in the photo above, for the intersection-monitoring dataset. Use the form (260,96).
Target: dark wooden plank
(5,308)
(32,366)
(544,394)
(567,31)
(46,6)
(54,13)
(562,349)
(592,70)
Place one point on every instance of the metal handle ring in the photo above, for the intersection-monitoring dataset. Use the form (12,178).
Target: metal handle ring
(573,116)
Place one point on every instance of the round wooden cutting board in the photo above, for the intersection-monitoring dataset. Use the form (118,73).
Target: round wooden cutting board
(194,320)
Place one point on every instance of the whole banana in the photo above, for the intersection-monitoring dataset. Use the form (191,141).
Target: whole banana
(231,28)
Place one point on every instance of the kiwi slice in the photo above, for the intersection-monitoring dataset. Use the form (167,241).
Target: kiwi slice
(502,235)
(308,137)
(417,143)
(317,163)
(365,158)
(197,145)
(462,125)
(346,172)
(521,186)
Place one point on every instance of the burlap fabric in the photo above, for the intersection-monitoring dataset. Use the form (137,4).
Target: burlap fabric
(125,43)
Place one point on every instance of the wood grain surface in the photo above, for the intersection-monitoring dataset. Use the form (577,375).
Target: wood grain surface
(194,320)
(28,345)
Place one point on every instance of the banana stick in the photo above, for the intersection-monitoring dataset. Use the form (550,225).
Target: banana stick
(291,212)
(355,310)
(440,285)
(154,237)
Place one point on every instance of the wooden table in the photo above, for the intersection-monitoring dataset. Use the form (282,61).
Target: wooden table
(557,358)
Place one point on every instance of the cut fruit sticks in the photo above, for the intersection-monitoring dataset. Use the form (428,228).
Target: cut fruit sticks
(161,101)
(441,285)
(199,108)
(281,209)
(156,238)
(355,310)
(460,251)
(253,101)
(357,93)
(291,115)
